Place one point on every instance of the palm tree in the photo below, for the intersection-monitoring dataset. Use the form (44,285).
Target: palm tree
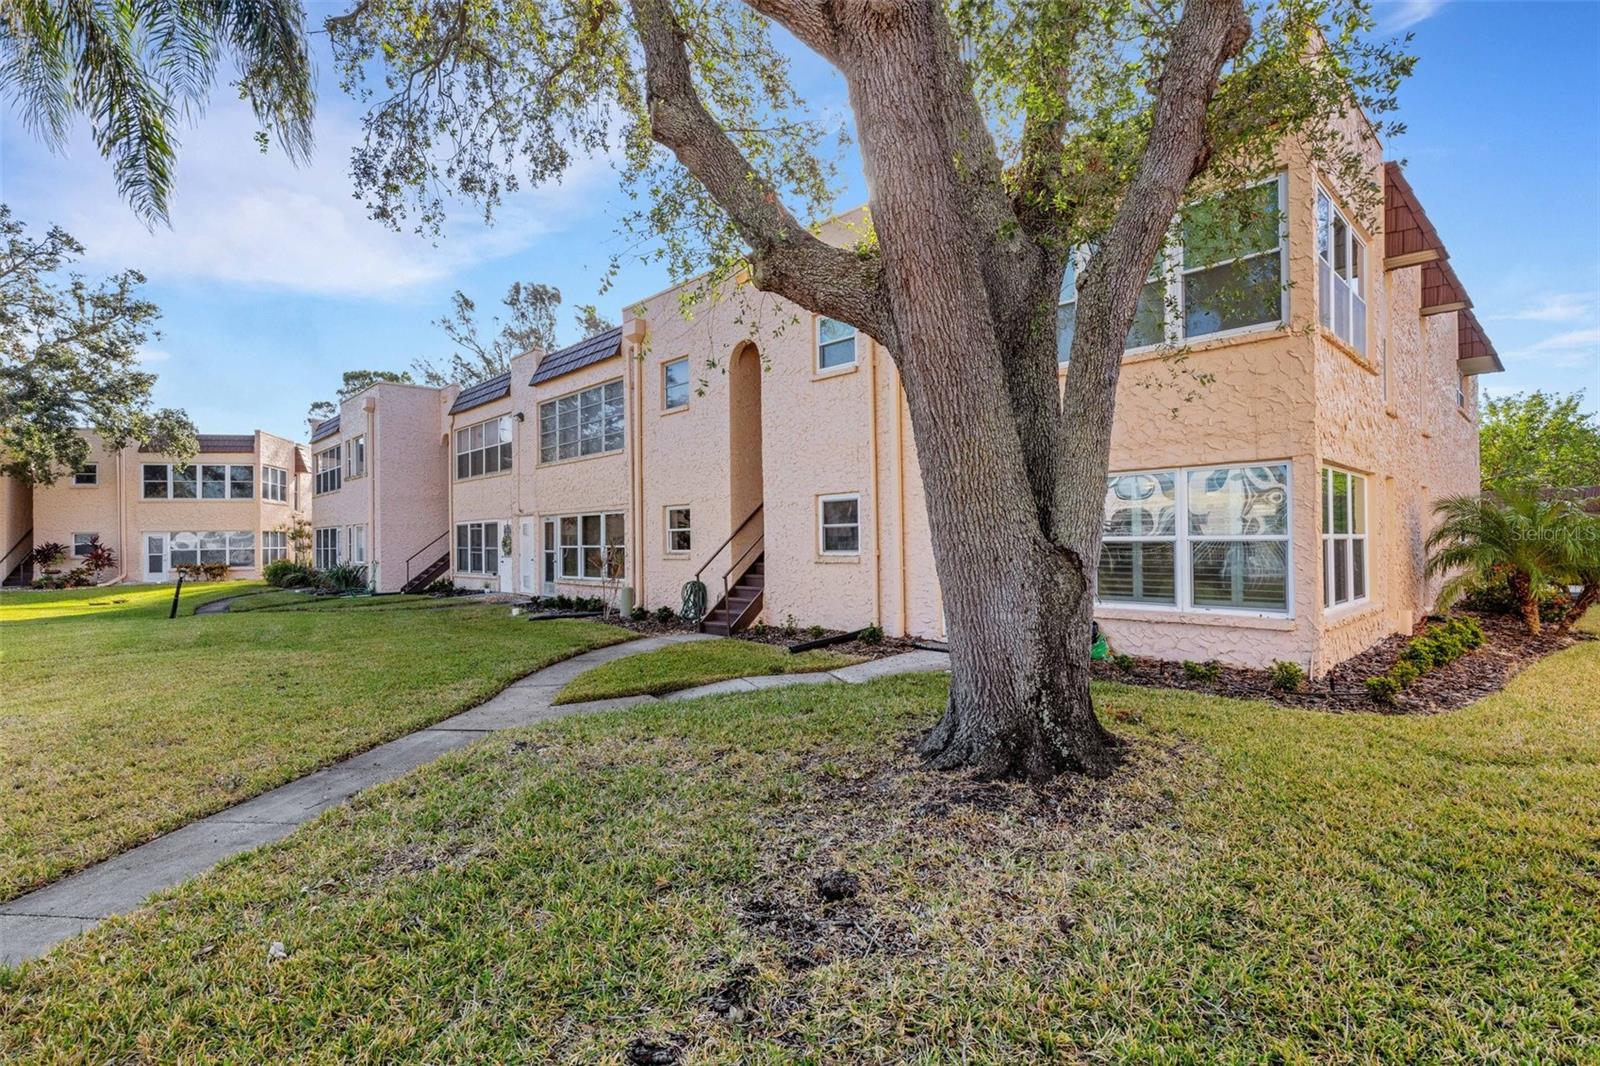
(133,68)
(1537,541)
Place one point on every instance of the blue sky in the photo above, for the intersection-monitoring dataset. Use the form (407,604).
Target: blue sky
(273,281)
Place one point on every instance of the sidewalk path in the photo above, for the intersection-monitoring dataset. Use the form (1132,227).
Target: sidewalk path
(33,924)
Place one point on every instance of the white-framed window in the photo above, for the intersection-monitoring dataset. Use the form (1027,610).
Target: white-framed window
(1344,537)
(1214,538)
(1341,276)
(83,544)
(203,481)
(274,546)
(355,457)
(836,344)
(1221,271)
(231,548)
(679,534)
(478,548)
(484,448)
(87,474)
(275,484)
(589,422)
(325,547)
(675,384)
(329,471)
(839,524)
(591,546)
(355,540)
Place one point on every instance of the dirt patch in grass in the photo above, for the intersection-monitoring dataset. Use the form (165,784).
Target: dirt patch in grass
(1508,650)
(779,637)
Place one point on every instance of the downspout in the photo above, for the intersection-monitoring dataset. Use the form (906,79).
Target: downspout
(633,341)
(122,514)
(877,498)
(371,458)
(900,488)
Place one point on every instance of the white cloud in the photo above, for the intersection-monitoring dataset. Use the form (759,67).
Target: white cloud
(148,356)
(1401,16)
(243,217)
(1573,348)
(1553,307)
(1570,340)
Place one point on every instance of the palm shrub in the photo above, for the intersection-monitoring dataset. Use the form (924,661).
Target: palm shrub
(346,577)
(1535,541)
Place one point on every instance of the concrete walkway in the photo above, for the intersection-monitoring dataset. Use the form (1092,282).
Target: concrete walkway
(33,924)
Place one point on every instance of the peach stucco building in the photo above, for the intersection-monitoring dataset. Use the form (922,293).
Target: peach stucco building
(1268,497)
(229,504)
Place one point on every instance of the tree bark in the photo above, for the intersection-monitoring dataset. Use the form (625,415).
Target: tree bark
(1014,478)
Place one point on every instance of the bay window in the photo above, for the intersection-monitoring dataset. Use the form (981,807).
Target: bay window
(1344,537)
(1212,538)
(1222,270)
(275,484)
(1341,282)
(589,422)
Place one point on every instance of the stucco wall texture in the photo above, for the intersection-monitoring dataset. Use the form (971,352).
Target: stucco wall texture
(114,507)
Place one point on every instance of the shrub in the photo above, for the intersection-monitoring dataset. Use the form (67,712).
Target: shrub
(1383,688)
(665,615)
(639,614)
(1287,676)
(286,573)
(1419,653)
(1123,662)
(790,627)
(1206,671)
(871,635)
(815,632)
(562,602)
(99,557)
(345,577)
(1404,673)
(442,587)
(49,555)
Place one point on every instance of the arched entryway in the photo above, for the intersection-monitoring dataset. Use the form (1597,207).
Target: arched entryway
(741,569)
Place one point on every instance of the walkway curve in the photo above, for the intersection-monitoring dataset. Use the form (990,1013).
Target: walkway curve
(33,924)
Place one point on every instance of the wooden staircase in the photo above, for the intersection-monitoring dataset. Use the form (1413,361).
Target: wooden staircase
(742,604)
(429,574)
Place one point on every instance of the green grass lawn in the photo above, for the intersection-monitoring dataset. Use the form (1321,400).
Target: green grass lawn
(682,666)
(120,601)
(117,724)
(291,600)
(1259,884)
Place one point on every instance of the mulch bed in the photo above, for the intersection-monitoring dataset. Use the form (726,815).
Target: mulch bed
(779,638)
(1508,649)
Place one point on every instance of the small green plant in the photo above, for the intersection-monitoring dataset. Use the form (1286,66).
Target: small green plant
(1404,673)
(1383,688)
(815,632)
(1123,662)
(1207,671)
(1287,676)
(790,626)
(562,602)
(666,615)
(640,613)
(442,587)
(871,635)
(345,577)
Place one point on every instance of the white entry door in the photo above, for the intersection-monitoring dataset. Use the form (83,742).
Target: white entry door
(155,557)
(549,568)
(525,565)
(504,548)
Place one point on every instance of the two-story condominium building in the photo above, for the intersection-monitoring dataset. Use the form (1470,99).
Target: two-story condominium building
(1268,495)
(231,504)
(379,486)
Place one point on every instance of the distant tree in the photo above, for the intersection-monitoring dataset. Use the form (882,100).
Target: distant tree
(1543,439)
(69,359)
(530,323)
(590,321)
(134,69)
(354,381)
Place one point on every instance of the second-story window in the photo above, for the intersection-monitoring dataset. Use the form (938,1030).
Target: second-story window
(581,423)
(836,344)
(275,484)
(206,481)
(1341,282)
(328,473)
(1220,272)
(675,384)
(484,448)
(355,457)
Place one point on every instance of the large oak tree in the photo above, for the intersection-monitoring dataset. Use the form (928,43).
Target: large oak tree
(996,137)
